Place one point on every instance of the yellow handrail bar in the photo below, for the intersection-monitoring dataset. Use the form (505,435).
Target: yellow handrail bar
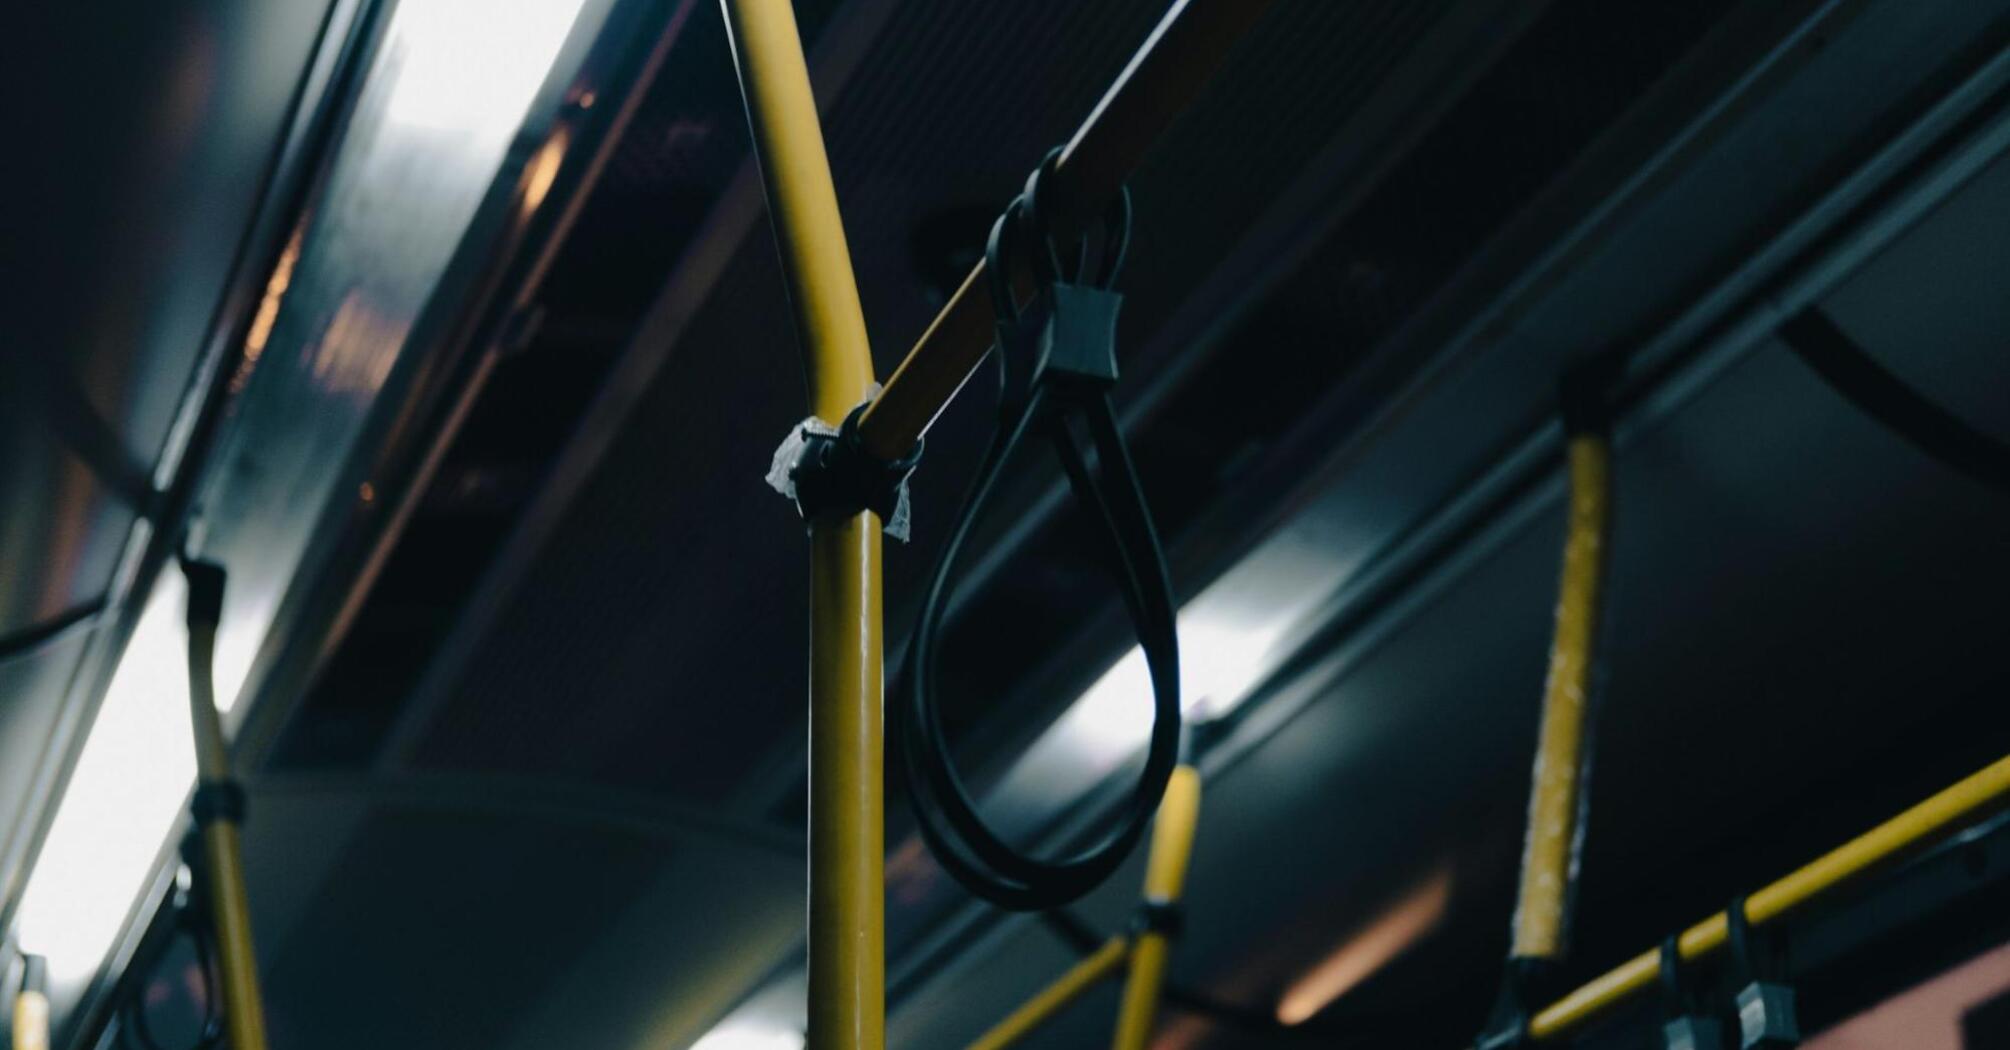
(1927,822)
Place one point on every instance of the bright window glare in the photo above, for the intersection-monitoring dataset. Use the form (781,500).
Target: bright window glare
(748,1035)
(465,64)
(128,787)
(1224,647)
(1221,659)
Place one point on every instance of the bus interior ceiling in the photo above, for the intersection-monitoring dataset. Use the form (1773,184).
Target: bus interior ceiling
(525,744)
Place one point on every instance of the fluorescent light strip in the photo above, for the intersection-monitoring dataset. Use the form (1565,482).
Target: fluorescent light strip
(124,794)
(748,1035)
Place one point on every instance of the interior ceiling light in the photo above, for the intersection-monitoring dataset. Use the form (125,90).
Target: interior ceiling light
(127,788)
(1222,657)
(460,64)
(749,1035)
(1386,936)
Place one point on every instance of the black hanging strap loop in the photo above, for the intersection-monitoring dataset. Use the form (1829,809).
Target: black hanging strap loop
(1116,231)
(1767,1017)
(1686,1026)
(191,921)
(1057,362)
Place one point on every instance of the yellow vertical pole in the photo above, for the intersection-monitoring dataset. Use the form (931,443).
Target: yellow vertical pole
(31,1006)
(1165,881)
(230,906)
(847,998)
(224,876)
(1556,795)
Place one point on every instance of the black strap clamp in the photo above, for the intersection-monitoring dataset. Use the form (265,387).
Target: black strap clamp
(1765,1001)
(827,471)
(205,591)
(1687,1025)
(1165,918)
(1062,340)
(216,800)
(1584,395)
(1507,1024)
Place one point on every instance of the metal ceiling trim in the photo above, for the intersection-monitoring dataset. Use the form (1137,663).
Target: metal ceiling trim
(595,807)
(297,164)
(322,108)
(493,280)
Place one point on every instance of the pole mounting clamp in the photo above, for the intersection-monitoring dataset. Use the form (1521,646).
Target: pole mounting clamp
(218,800)
(826,470)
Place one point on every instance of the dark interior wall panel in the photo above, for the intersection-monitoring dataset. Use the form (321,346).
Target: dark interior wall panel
(441,930)
(1935,306)
(141,135)
(143,138)
(654,643)
(152,126)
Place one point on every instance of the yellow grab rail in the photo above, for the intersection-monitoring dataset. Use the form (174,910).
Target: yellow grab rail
(1165,881)
(222,848)
(1095,968)
(31,1005)
(1938,816)
(1147,953)
(1556,792)
(847,922)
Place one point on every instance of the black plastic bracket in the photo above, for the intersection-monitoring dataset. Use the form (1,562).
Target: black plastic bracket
(1584,395)
(1764,1003)
(1687,1026)
(1507,1025)
(835,475)
(1165,918)
(205,591)
(216,800)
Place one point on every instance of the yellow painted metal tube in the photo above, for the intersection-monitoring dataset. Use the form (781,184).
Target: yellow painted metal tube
(230,906)
(1556,798)
(243,1008)
(31,1021)
(1165,881)
(1923,824)
(1095,968)
(31,1006)
(847,993)
(802,203)
(847,936)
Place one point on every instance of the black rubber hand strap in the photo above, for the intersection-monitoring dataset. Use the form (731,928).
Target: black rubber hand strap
(961,840)
(1883,396)
(1104,482)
